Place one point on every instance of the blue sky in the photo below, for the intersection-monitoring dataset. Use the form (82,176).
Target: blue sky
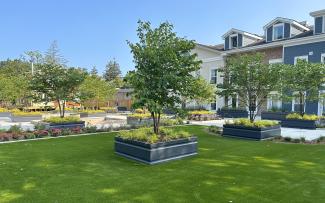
(92,32)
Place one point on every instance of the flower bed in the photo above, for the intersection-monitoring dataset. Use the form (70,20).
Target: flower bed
(201,115)
(306,121)
(257,130)
(145,146)
(61,123)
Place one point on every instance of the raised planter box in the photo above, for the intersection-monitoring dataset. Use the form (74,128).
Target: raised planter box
(80,124)
(303,124)
(251,132)
(25,118)
(85,115)
(202,117)
(5,114)
(137,121)
(233,113)
(274,115)
(156,153)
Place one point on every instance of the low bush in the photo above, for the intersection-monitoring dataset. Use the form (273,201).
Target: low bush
(307,117)
(91,111)
(200,112)
(214,129)
(147,135)
(171,122)
(139,111)
(4,110)
(258,124)
(140,115)
(68,119)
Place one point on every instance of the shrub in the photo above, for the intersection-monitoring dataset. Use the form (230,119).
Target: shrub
(147,135)
(55,132)
(4,110)
(296,116)
(287,139)
(90,129)
(15,129)
(214,129)
(68,119)
(139,111)
(200,112)
(41,133)
(171,122)
(258,124)
(140,115)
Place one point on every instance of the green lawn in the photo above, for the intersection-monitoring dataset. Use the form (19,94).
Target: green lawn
(85,169)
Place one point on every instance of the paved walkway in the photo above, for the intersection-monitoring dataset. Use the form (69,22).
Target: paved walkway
(285,132)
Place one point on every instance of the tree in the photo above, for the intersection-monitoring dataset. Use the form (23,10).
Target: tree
(251,79)
(54,82)
(95,90)
(163,70)
(304,81)
(54,56)
(94,71)
(112,71)
(15,67)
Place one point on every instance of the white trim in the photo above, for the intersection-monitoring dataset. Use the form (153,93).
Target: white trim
(273,61)
(322,58)
(286,43)
(241,32)
(207,60)
(323,24)
(230,41)
(275,26)
(285,20)
(304,57)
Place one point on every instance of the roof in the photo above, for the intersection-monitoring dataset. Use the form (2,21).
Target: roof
(255,36)
(287,20)
(317,13)
(218,47)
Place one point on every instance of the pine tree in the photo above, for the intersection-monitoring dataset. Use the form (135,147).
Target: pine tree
(112,71)
(94,71)
(53,55)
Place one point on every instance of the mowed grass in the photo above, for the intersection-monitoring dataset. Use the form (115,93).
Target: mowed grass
(85,169)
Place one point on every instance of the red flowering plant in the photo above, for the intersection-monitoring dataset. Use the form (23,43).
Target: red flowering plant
(76,130)
(56,132)
(41,133)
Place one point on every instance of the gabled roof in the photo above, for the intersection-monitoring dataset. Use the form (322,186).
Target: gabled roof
(317,13)
(213,48)
(286,20)
(243,33)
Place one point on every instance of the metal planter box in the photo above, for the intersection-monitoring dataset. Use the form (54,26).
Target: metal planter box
(303,124)
(25,118)
(233,113)
(251,132)
(71,125)
(274,115)
(156,153)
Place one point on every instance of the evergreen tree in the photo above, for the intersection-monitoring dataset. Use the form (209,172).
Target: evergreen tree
(94,71)
(54,56)
(112,71)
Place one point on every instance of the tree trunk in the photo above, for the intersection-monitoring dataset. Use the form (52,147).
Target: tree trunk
(155,123)
(63,109)
(301,103)
(60,108)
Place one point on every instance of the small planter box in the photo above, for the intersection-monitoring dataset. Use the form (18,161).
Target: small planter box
(137,121)
(202,117)
(80,124)
(5,114)
(156,153)
(233,113)
(274,115)
(302,124)
(251,132)
(25,118)
(85,115)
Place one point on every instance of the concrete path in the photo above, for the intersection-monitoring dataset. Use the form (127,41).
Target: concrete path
(285,132)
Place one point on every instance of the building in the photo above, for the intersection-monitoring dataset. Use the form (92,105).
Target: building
(284,41)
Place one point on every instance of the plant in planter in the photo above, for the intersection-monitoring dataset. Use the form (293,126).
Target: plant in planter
(258,130)
(66,122)
(227,112)
(251,80)
(296,120)
(201,115)
(162,79)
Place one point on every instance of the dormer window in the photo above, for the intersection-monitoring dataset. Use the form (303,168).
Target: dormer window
(234,41)
(278,31)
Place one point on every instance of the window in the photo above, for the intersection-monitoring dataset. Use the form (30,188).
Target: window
(213,106)
(323,58)
(300,58)
(275,61)
(233,41)
(213,79)
(278,31)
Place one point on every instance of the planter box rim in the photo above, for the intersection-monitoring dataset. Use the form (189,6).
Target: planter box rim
(69,123)
(251,128)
